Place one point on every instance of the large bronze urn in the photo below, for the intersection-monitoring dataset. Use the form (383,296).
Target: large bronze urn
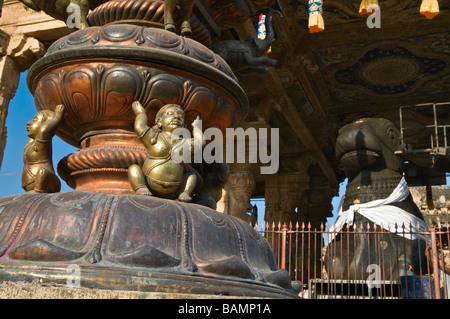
(118,239)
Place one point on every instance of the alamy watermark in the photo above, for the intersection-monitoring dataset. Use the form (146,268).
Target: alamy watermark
(374,19)
(74,18)
(374,279)
(235,150)
(74,278)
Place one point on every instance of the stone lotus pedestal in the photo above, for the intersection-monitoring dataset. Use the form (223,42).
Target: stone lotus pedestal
(136,243)
(118,239)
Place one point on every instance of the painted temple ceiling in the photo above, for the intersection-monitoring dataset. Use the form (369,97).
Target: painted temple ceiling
(360,70)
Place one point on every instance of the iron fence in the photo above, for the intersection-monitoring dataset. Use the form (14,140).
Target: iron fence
(308,253)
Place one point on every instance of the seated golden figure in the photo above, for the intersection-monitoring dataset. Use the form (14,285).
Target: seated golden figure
(38,175)
(160,173)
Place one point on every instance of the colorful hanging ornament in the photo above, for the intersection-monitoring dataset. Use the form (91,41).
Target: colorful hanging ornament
(315,22)
(429,8)
(368,7)
(262,29)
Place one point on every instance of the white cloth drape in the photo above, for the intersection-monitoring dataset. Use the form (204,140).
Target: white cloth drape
(383,214)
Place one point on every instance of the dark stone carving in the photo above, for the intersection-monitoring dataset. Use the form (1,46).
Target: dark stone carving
(132,234)
(366,149)
(248,55)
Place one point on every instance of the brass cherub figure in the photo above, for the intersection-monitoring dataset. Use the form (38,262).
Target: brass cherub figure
(160,173)
(38,175)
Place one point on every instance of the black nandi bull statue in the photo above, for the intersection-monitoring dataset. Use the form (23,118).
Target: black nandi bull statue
(377,194)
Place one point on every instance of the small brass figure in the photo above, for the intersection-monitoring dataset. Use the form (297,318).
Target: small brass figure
(38,175)
(160,173)
(186,9)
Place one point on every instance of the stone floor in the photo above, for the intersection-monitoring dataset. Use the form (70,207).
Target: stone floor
(37,290)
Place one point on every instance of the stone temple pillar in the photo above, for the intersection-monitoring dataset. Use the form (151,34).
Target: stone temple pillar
(9,80)
(313,215)
(285,198)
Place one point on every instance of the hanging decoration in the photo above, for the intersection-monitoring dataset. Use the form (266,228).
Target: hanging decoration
(368,7)
(315,22)
(429,196)
(429,8)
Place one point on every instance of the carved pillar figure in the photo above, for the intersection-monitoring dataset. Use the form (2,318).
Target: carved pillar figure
(238,192)
(319,197)
(7,88)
